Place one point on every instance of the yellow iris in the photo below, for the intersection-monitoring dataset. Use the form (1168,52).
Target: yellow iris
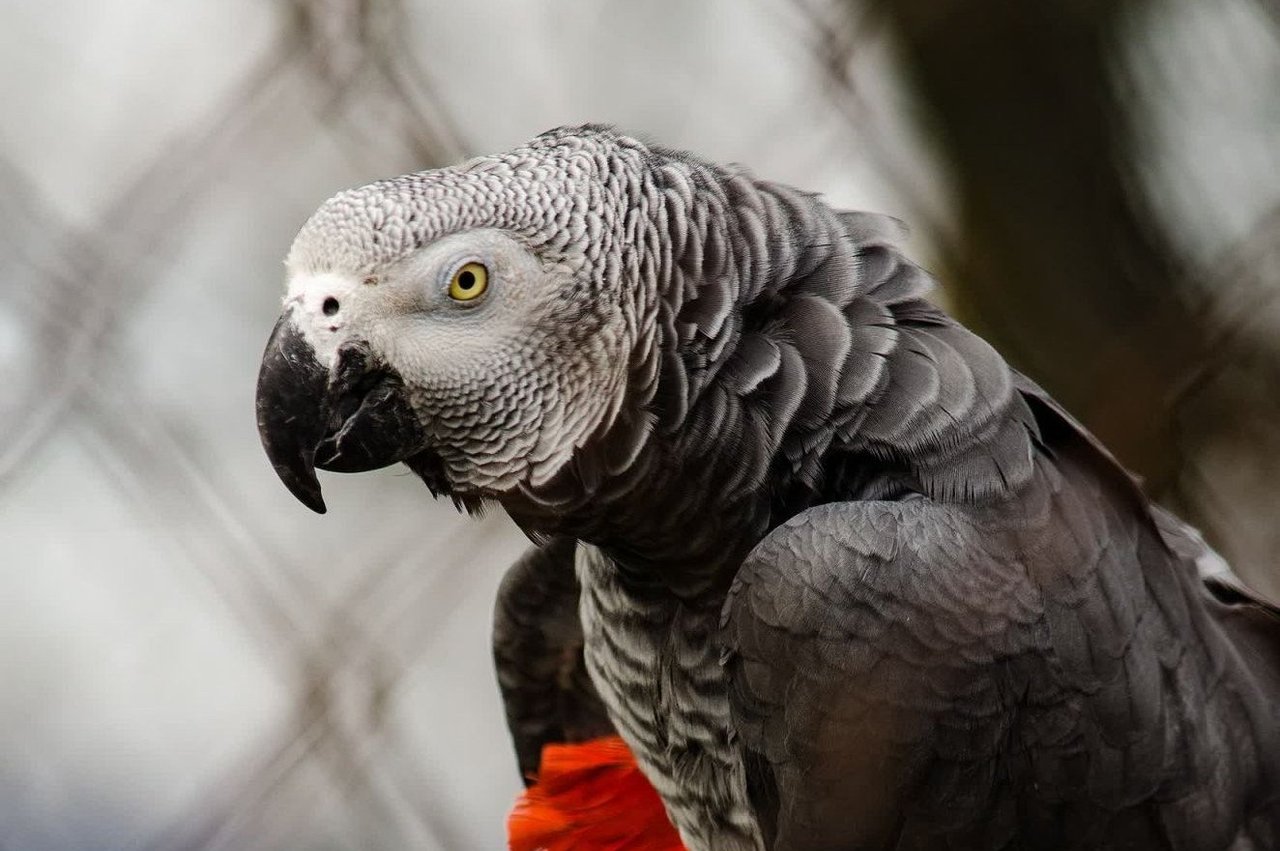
(469,282)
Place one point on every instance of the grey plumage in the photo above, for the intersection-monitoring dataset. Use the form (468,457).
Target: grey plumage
(843,578)
(658,670)
(537,641)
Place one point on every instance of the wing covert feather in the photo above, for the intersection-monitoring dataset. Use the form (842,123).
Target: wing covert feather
(918,675)
(537,652)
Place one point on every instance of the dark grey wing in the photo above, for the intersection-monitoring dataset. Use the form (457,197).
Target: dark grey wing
(869,647)
(1240,603)
(1046,672)
(537,650)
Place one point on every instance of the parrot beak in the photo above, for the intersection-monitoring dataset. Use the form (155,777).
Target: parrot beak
(349,419)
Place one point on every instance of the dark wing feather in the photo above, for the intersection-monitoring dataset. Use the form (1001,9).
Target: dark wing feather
(537,650)
(1045,672)
(862,679)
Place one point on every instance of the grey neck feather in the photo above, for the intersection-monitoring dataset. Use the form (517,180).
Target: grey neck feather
(788,358)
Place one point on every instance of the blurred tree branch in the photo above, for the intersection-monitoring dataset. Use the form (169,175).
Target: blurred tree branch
(1056,256)
(1057,262)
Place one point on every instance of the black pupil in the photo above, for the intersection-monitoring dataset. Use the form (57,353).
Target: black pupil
(466,279)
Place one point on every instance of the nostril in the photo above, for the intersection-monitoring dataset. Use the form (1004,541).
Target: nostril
(330,306)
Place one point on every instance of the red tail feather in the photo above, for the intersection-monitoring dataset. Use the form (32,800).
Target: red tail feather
(591,796)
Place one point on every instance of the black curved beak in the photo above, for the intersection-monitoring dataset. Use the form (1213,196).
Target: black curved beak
(351,418)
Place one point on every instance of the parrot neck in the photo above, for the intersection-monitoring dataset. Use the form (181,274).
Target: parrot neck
(798,363)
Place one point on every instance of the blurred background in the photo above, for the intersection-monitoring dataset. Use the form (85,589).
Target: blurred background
(189,659)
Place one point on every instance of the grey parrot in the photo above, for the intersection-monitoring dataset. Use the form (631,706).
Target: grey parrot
(838,575)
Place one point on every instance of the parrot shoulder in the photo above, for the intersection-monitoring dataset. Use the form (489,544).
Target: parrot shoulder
(865,642)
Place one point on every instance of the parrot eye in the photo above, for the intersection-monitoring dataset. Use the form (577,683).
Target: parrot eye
(469,282)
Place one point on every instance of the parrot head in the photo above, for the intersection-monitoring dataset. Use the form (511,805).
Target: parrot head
(478,322)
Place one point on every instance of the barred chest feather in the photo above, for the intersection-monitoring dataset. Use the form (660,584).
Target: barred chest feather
(656,667)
